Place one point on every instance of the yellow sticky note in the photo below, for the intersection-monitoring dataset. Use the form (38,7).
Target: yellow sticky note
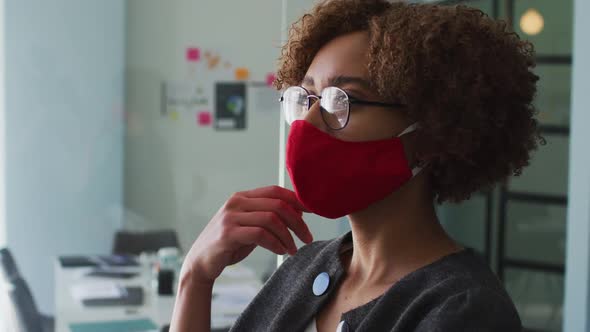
(173,115)
(242,73)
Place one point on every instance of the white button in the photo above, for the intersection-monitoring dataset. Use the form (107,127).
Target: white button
(321,283)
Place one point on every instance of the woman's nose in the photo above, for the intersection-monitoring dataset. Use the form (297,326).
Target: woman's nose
(314,115)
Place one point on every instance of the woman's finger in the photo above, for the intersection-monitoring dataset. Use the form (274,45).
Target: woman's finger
(272,223)
(260,237)
(276,192)
(287,214)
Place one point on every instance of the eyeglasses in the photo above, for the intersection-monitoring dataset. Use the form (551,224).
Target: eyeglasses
(334,105)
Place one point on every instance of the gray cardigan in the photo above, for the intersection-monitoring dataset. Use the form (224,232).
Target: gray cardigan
(458,292)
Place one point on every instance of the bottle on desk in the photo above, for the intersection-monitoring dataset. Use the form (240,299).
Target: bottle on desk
(167,268)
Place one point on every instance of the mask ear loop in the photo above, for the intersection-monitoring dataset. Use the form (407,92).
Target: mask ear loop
(413,127)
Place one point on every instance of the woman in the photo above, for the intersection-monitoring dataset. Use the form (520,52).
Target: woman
(392,107)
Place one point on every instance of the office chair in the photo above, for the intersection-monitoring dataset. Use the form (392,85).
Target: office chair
(8,269)
(28,317)
(134,243)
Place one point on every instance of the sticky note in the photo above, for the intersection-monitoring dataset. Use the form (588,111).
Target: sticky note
(213,61)
(173,115)
(270,78)
(242,73)
(204,118)
(193,54)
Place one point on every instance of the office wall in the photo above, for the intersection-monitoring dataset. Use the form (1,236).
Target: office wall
(177,173)
(2,132)
(64,94)
(577,291)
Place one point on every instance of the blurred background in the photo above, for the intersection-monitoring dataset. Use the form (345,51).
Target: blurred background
(127,124)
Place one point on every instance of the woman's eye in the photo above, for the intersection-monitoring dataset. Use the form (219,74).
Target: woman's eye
(353,94)
(353,98)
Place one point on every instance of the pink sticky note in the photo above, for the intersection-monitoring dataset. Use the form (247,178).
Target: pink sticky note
(193,54)
(270,78)
(204,118)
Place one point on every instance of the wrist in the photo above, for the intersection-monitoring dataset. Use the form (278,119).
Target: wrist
(189,279)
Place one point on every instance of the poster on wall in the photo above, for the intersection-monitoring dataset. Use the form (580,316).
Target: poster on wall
(230,105)
(180,97)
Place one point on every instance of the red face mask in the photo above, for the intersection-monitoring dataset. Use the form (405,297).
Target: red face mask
(334,178)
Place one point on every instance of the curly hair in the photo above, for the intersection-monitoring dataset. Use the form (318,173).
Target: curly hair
(466,78)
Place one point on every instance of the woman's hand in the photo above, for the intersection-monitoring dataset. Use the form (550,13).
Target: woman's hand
(259,217)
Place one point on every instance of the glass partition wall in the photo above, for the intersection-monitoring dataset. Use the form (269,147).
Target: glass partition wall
(520,226)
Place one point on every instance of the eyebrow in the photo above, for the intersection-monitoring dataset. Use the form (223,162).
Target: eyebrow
(341,80)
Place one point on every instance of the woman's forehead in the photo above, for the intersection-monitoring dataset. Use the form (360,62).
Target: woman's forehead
(343,57)
(340,81)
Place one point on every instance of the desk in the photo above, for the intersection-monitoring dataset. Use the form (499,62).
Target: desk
(157,308)
(68,310)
